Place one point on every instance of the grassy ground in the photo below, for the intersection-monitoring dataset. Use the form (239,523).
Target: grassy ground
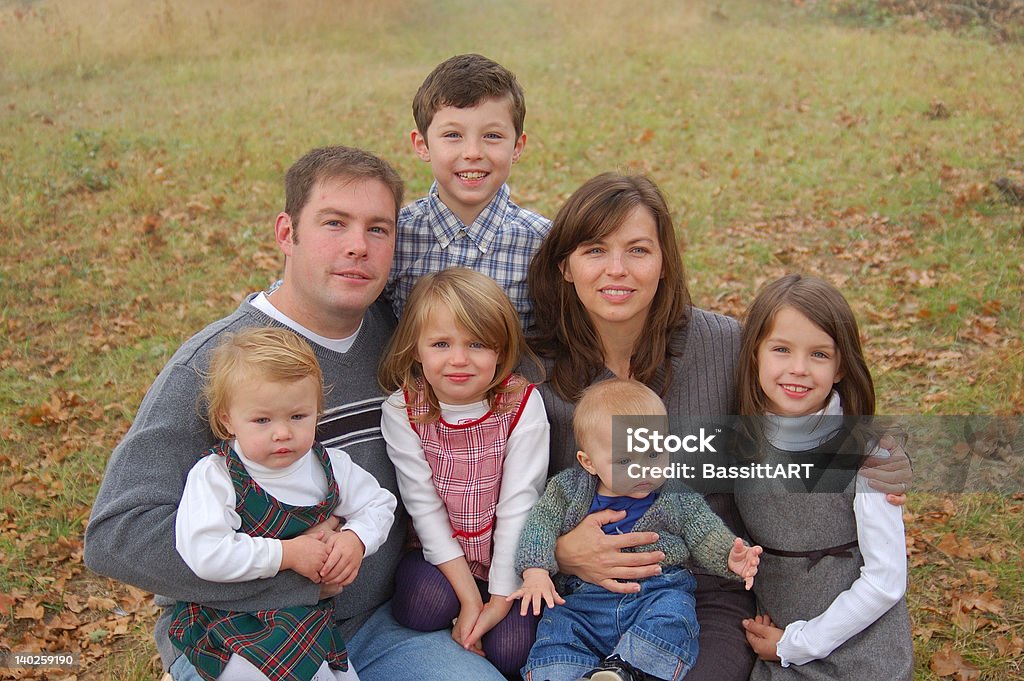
(141,152)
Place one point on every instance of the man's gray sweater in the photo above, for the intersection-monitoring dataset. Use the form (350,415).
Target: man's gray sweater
(130,535)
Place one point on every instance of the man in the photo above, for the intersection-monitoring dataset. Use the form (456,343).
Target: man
(338,236)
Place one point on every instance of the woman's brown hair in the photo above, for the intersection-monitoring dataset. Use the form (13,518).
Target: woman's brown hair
(564,331)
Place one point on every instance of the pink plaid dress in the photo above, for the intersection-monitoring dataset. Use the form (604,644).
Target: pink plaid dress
(466,460)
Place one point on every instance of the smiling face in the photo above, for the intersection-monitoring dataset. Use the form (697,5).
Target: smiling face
(617,276)
(471,151)
(274,422)
(797,364)
(338,253)
(456,364)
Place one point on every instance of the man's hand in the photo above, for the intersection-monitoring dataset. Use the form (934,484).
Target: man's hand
(329,590)
(596,557)
(743,560)
(346,553)
(763,636)
(537,587)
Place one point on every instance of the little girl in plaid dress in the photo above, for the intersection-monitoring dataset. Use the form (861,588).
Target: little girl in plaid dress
(269,498)
(469,440)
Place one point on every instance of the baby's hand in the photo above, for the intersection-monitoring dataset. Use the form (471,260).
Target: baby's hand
(743,560)
(305,554)
(345,555)
(537,586)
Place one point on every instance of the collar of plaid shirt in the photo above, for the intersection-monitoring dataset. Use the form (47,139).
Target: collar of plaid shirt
(446,226)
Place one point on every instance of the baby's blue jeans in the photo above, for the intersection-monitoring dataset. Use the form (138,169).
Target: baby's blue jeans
(655,629)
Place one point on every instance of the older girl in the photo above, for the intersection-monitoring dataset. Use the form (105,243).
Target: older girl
(831,593)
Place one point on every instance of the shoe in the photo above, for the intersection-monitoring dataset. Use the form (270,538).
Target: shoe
(614,668)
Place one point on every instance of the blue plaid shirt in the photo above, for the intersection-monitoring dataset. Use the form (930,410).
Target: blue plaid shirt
(500,243)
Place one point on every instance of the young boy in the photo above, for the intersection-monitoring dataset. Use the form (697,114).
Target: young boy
(653,631)
(469,116)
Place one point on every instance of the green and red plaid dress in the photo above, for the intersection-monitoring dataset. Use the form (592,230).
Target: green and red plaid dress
(288,644)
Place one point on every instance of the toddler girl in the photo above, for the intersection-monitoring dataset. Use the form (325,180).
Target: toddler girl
(469,440)
(269,498)
(830,586)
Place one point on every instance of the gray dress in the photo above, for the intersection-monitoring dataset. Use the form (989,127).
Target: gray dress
(791,588)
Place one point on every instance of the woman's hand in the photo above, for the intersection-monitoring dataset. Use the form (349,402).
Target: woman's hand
(598,558)
(892,474)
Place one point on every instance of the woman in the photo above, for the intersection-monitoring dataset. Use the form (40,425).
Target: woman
(610,299)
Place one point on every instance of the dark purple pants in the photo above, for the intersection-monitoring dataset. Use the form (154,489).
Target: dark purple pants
(425,601)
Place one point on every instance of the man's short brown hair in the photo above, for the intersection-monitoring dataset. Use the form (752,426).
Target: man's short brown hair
(336,163)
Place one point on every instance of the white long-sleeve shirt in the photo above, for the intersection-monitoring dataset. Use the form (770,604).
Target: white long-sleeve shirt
(207,527)
(883,577)
(522,482)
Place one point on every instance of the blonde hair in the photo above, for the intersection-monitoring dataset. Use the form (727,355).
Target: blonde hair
(613,397)
(269,354)
(479,306)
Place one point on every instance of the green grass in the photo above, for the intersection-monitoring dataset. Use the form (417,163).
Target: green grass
(142,147)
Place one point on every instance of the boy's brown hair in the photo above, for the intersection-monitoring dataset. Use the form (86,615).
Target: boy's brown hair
(268,354)
(464,81)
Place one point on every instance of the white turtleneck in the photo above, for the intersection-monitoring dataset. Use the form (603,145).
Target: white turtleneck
(207,527)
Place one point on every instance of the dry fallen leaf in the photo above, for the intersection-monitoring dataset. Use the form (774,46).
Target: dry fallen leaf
(30,610)
(96,603)
(1010,647)
(948,662)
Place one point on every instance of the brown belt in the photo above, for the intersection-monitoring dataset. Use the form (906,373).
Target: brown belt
(841,551)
